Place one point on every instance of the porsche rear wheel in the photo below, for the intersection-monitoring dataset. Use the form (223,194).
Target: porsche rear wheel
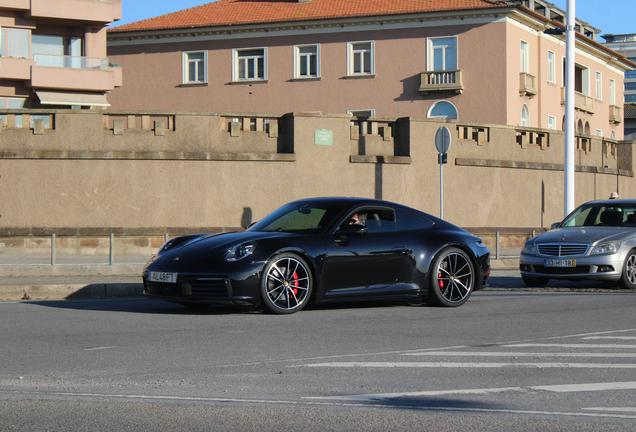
(453,278)
(286,285)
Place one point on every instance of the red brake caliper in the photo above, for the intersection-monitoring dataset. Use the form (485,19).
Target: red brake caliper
(440,282)
(295,283)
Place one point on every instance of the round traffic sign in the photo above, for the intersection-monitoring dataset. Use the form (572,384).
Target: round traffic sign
(442,139)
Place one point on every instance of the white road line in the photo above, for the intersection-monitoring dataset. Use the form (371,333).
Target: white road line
(467,365)
(100,348)
(629,385)
(519,354)
(350,403)
(611,337)
(615,409)
(527,345)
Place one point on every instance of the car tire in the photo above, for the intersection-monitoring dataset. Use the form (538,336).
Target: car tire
(535,282)
(628,277)
(453,278)
(286,284)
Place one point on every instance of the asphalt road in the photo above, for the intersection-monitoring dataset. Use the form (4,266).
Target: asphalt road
(511,359)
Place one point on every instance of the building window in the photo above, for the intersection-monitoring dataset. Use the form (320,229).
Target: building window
(630,86)
(14,43)
(630,98)
(250,64)
(60,51)
(13,103)
(307,61)
(360,58)
(525,57)
(551,67)
(612,90)
(552,122)
(599,86)
(195,67)
(525,116)
(599,132)
(442,54)
(442,110)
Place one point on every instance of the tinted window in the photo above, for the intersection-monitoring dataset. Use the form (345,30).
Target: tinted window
(375,219)
(408,222)
(300,217)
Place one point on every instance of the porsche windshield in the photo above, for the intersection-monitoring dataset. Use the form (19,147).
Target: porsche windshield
(619,215)
(303,217)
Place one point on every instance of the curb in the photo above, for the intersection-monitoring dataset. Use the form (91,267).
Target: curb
(70,269)
(71,291)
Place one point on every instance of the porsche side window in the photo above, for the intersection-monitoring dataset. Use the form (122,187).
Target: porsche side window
(409,222)
(380,220)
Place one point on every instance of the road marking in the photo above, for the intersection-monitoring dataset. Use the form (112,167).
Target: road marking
(518,354)
(527,345)
(572,388)
(611,337)
(616,409)
(100,348)
(365,405)
(466,365)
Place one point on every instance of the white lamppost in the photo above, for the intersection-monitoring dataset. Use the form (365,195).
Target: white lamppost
(570,38)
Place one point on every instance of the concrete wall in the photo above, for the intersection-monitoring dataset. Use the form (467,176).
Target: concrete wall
(95,172)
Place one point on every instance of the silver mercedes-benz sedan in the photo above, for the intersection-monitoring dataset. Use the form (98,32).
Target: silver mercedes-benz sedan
(597,241)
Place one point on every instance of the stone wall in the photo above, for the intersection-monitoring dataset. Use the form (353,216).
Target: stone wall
(146,173)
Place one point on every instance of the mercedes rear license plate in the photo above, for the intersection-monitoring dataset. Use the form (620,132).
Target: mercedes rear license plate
(559,263)
(163,277)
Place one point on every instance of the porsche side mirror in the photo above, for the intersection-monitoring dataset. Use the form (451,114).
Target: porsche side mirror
(353,230)
(555,225)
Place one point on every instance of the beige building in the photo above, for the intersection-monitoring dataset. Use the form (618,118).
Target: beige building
(475,60)
(53,54)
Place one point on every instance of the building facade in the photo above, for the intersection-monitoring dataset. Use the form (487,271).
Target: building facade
(53,54)
(625,44)
(481,61)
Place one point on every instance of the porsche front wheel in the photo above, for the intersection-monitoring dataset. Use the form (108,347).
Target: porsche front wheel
(286,284)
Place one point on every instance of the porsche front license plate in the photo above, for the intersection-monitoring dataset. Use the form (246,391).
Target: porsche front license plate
(559,263)
(163,277)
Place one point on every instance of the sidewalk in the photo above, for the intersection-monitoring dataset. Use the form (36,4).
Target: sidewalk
(75,277)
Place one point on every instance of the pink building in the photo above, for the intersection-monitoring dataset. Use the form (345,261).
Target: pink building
(53,54)
(487,62)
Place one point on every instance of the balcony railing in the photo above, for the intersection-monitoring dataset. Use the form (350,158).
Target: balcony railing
(72,62)
(441,81)
(527,85)
(582,102)
(615,114)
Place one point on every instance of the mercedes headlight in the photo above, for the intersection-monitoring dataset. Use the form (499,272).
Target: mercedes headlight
(528,248)
(606,248)
(240,251)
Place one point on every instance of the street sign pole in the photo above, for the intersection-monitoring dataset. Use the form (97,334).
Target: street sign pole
(442,144)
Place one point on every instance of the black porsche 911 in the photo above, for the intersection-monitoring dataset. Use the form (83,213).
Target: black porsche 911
(320,250)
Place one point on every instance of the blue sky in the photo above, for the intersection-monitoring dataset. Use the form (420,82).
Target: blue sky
(611,16)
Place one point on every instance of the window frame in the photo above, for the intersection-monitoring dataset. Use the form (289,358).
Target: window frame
(186,63)
(552,122)
(430,57)
(351,52)
(612,90)
(524,57)
(551,67)
(599,85)
(298,60)
(438,103)
(236,69)
(525,116)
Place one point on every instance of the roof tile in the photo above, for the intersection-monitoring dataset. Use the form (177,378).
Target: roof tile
(233,12)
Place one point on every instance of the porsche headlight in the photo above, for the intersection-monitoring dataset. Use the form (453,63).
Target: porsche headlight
(606,248)
(528,248)
(240,251)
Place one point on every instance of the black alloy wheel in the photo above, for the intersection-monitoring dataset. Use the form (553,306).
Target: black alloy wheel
(286,285)
(453,278)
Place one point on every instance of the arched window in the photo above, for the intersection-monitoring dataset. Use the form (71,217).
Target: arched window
(525,116)
(587,128)
(442,110)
